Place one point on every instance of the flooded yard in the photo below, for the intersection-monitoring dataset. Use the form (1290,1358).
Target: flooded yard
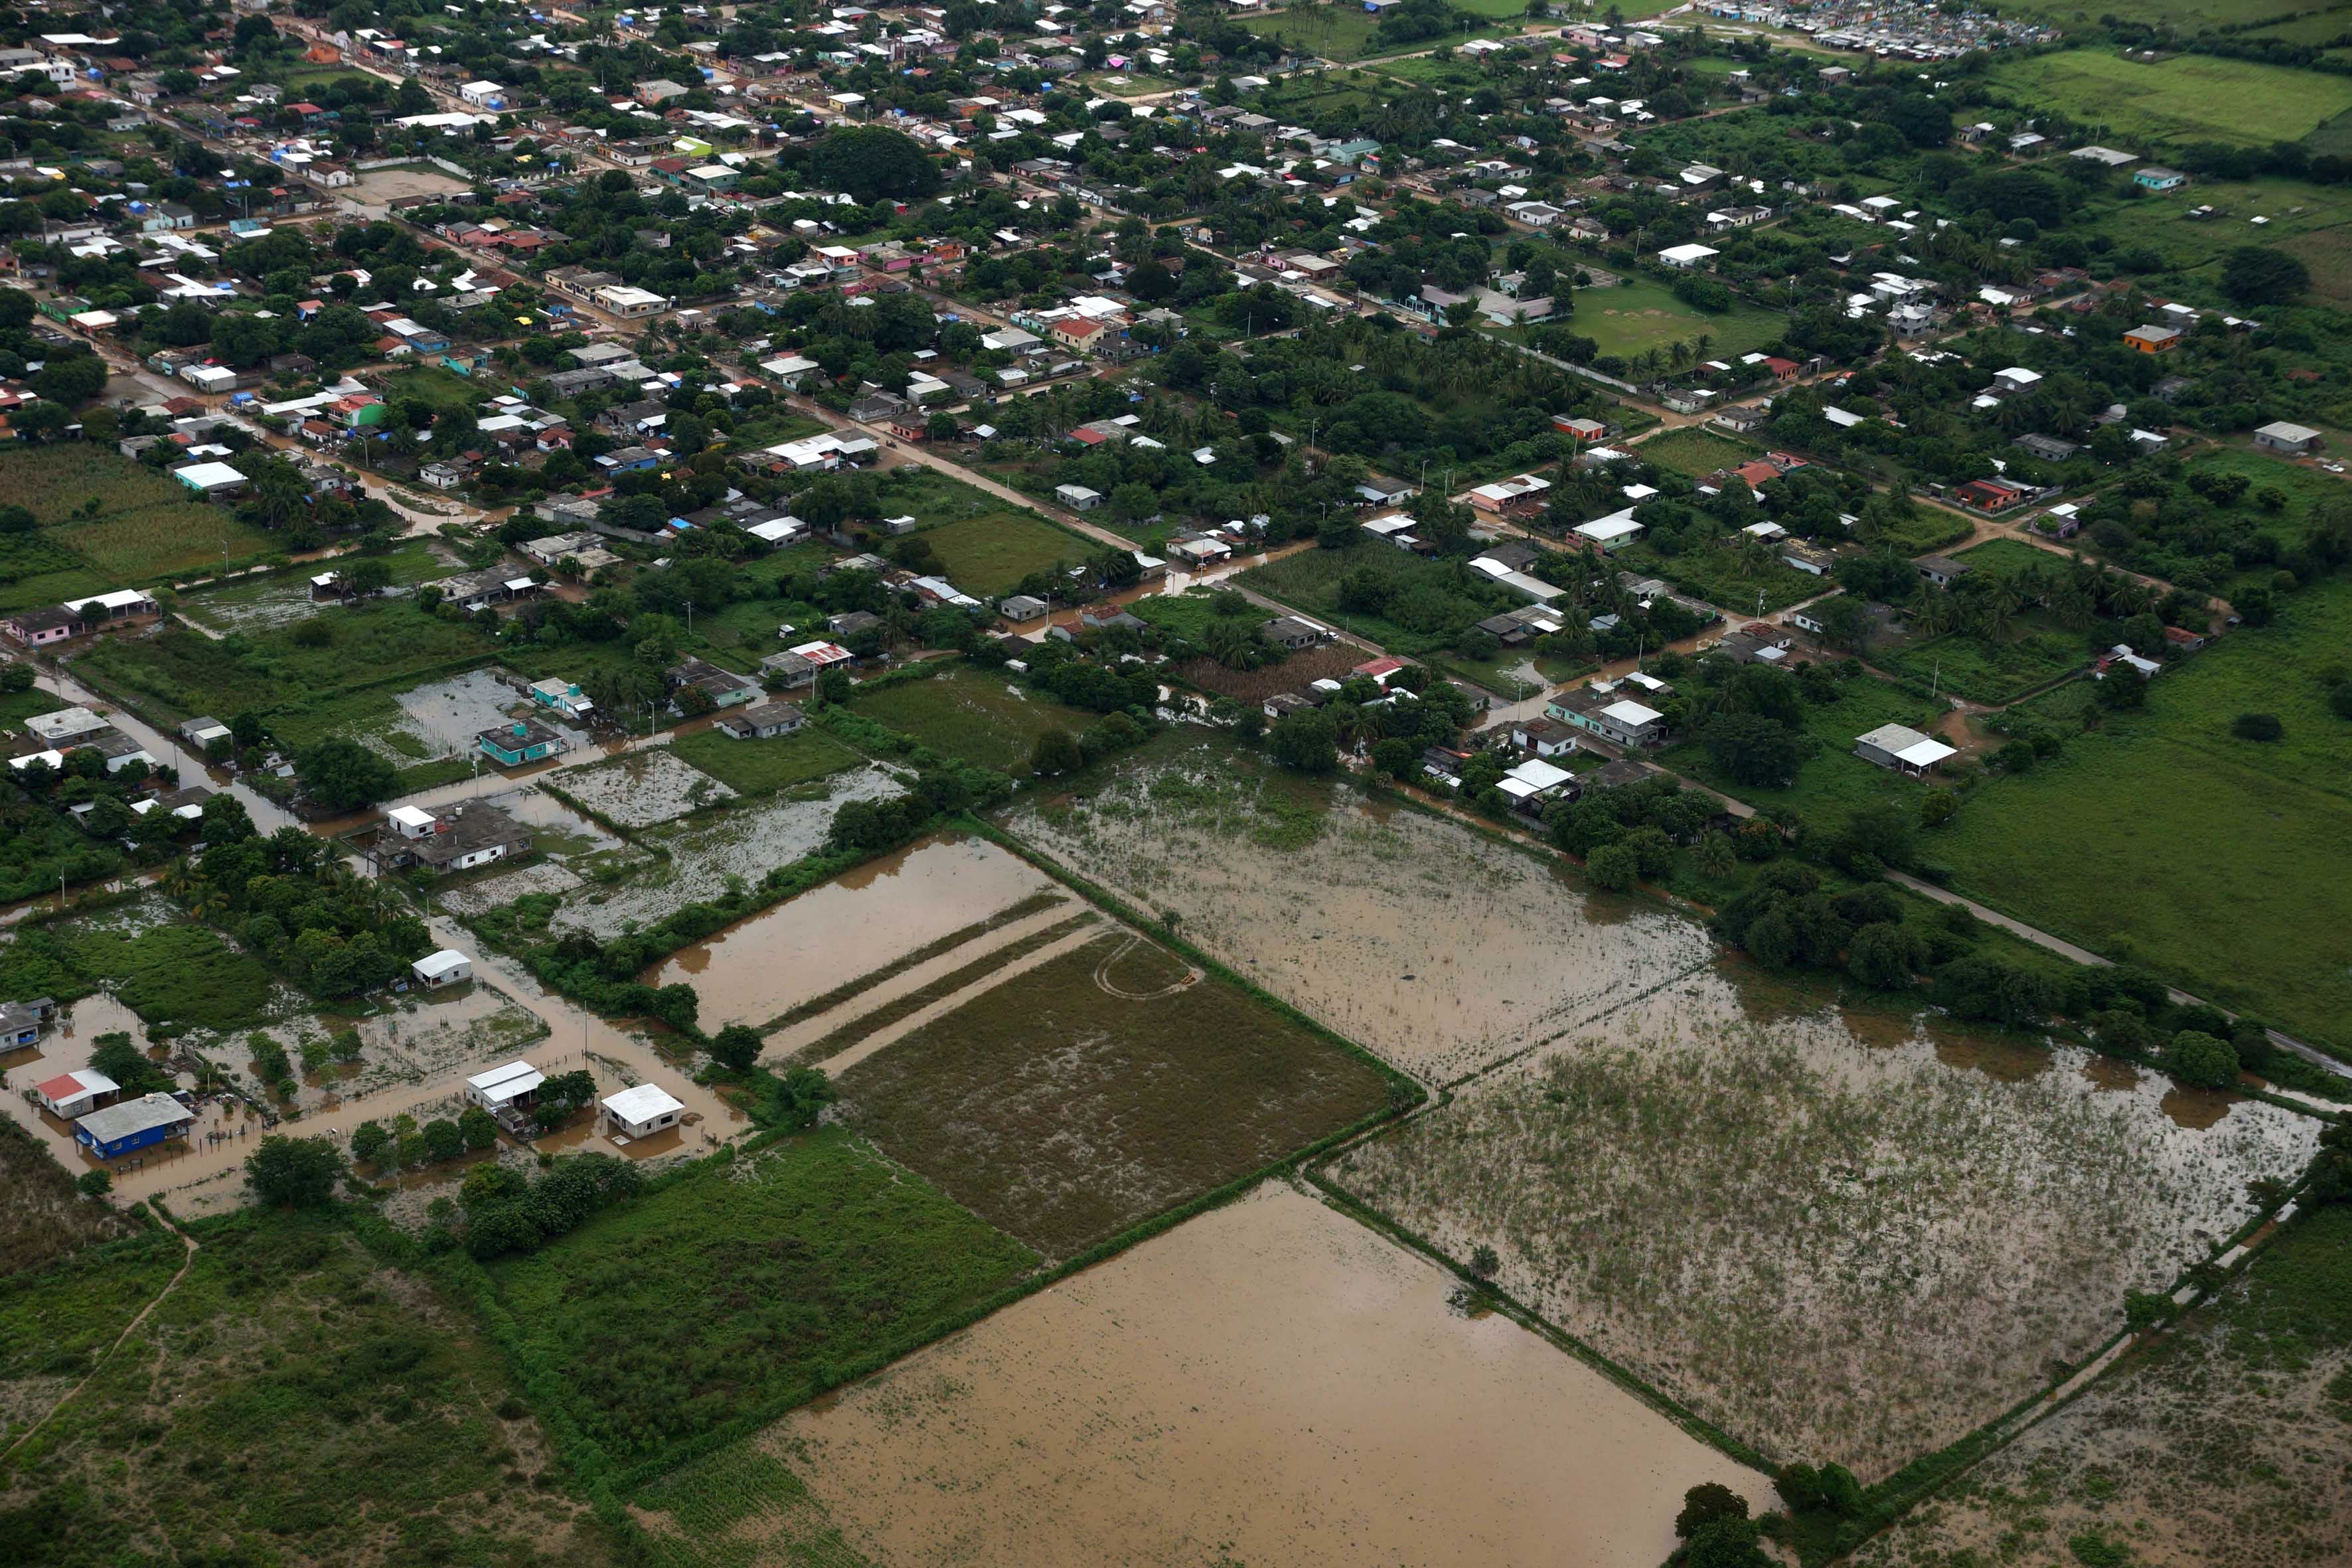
(848,932)
(1267,1384)
(1839,1235)
(1439,949)
(644,788)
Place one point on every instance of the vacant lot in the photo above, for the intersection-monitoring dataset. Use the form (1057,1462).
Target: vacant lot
(645,787)
(989,557)
(2223,1445)
(746,1283)
(124,521)
(2034,652)
(2185,98)
(1717,574)
(231,1423)
(756,767)
(972,713)
(1832,781)
(269,673)
(2093,845)
(1099,1088)
(1628,319)
(1428,604)
(1836,1234)
(1695,452)
(255,604)
(1439,949)
(1268,1383)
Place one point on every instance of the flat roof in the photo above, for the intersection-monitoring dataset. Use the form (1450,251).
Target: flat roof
(1630,713)
(133,1117)
(642,1104)
(203,476)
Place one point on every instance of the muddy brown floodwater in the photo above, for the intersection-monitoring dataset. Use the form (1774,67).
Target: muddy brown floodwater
(1269,1384)
(860,921)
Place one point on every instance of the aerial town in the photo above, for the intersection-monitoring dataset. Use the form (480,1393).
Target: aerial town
(1211,784)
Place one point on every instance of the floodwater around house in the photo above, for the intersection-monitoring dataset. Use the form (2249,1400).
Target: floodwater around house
(1268,1383)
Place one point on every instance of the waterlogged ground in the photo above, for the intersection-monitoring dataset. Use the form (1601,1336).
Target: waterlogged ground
(1838,1236)
(1268,1383)
(644,788)
(2224,1445)
(1440,951)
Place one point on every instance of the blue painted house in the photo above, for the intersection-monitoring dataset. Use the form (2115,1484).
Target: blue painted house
(564,696)
(512,744)
(119,1130)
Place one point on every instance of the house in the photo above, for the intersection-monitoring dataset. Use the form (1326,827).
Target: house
(1579,428)
(458,837)
(1290,632)
(1810,559)
(723,687)
(1901,747)
(1987,495)
(210,479)
(2153,339)
(446,967)
(1546,737)
(510,1087)
(118,1129)
(1600,712)
(1941,570)
(2295,440)
(520,740)
(66,728)
(564,696)
(2181,640)
(37,628)
(2049,448)
(1534,783)
(1612,534)
(77,1093)
(2154,179)
(1020,608)
(1077,498)
(760,721)
(642,1111)
(2145,669)
(121,605)
(21,1023)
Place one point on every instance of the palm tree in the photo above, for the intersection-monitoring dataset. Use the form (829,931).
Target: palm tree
(1700,344)
(1932,613)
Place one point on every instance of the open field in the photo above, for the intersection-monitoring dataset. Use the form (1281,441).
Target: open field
(645,787)
(1430,603)
(187,673)
(1630,318)
(1695,452)
(1967,663)
(973,714)
(1099,1088)
(34,569)
(756,767)
(1267,1384)
(2096,847)
(1864,1236)
(291,1389)
(1832,781)
(753,1281)
(2221,1445)
(41,1215)
(2187,97)
(1338,31)
(988,556)
(1439,949)
(121,520)
(2188,15)
(1717,575)
(274,599)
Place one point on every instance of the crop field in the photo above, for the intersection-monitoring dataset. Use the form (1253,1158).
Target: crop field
(989,557)
(1630,318)
(752,1282)
(1983,669)
(1719,576)
(973,714)
(1269,1382)
(2186,97)
(117,519)
(1099,1088)
(231,1421)
(1832,781)
(1834,1233)
(1439,949)
(2223,1444)
(2092,846)
(1695,452)
(149,542)
(760,766)
(187,673)
(34,569)
(64,480)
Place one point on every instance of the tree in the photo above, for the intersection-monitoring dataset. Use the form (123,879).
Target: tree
(2257,727)
(442,1139)
(1885,954)
(2257,274)
(1754,750)
(871,162)
(737,1045)
(294,1172)
(343,776)
(478,1127)
(2201,1060)
(369,1141)
(119,1057)
(1393,756)
(1706,1503)
(94,1183)
(1616,867)
(1055,752)
(1715,857)
(1306,741)
(1726,1542)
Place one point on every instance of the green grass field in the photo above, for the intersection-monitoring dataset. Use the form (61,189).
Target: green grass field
(1833,783)
(972,714)
(2188,15)
(1716,574)
(1338,31)
(2186,97)
(2220,862)
(188,673)
(2008,557)
(756,767)
(1963,663)
(106,522)
(990,555)
(1431,603)
(1629,319)
(749,1286)
(435,384)
(1695,451)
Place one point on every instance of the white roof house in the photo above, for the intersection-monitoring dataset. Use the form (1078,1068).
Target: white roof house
(70,1094)
(502,1085)
(1687,256)
(445,967)
(209,476)
(65,724)
(644,1109)
(1901,747)
(1610,531)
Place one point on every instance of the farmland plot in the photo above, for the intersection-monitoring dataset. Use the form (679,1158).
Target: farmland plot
(1837,1238)
(1438,950)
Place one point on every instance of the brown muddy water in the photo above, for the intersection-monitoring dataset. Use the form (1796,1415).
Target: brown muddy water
(1267,1384)
(860,921)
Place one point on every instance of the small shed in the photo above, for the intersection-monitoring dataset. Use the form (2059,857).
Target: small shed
(118,1129)
(2279,436)
(446,967)
(642,1111)
(78,1093)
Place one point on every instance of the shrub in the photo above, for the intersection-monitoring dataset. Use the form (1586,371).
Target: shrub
(2201,1060)
(1616,867)
(1706,1503)
(2257,727)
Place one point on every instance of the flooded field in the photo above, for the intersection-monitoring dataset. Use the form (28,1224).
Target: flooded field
(1838,1235)
(1440,951)
(258,602)
(644,788)
(1267,1384)
(850,930)
(633,888)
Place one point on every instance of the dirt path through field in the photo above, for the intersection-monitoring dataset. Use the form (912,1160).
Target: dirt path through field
(169,1285)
